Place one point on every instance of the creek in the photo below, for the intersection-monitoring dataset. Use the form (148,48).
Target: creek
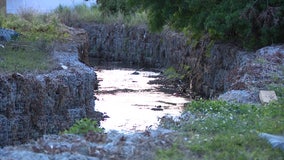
(131,102)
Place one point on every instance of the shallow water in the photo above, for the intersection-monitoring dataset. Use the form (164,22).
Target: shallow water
(128,100)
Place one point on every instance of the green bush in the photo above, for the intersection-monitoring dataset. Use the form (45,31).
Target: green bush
(84,126)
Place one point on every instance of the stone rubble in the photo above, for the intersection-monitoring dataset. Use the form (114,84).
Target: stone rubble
(93,146)
(34,104)
(264,68)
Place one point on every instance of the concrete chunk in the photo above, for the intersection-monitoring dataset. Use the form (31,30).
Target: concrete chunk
(267,96)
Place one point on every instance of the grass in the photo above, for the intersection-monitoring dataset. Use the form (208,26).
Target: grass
(220,130)
(23,59)
(30,51)
(82,13)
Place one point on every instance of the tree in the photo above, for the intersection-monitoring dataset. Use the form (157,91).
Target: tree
(114,6)
(259,22)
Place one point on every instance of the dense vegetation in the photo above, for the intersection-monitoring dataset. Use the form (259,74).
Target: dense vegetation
(253,23)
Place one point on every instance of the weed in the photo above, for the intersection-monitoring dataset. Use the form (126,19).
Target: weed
(209,48)
(171,73)
(84,126)
(173,153)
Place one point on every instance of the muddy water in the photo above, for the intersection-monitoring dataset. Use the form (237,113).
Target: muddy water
(131,102)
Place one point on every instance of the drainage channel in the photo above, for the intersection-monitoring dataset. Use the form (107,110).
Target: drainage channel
(130,101)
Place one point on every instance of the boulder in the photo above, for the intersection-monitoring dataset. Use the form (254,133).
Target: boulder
(7,34)
(239,96)
(267,96)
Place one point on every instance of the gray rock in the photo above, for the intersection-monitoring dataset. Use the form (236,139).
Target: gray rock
(275,140)
(34,104)
(22,155)
(117,145)
(239,96)
(7,34)
(267,96)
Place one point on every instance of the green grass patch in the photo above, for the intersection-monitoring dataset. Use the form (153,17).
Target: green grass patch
(174,153)
(22,58)
(221,130)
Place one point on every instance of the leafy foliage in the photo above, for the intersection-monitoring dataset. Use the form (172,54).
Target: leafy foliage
(254,23)
(84,126)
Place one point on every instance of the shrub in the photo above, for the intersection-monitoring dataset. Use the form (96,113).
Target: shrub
(84,126)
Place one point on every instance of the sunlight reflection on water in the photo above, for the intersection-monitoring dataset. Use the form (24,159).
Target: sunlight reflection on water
(127,99)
